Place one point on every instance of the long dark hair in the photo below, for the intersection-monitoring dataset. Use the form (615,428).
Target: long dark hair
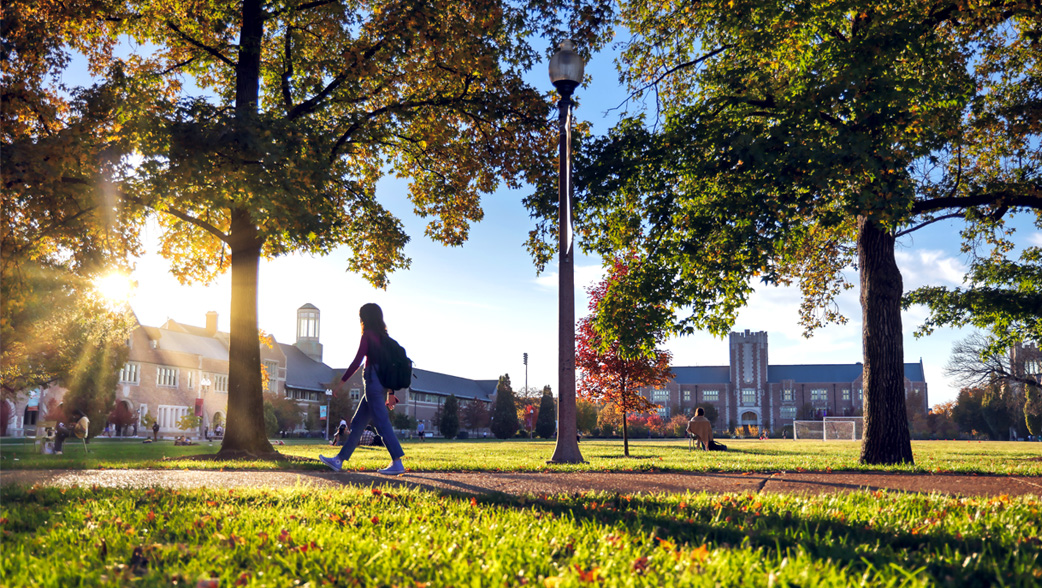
(372,318)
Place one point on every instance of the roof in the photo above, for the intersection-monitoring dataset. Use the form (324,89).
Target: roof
(445,385)
(837,372)
(304,373)
(308,306)
(203,346)
(716,374)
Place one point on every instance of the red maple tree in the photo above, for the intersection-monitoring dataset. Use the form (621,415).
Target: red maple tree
(612,375)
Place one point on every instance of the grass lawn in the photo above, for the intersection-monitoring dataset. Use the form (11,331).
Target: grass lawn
(366,537)
(603,455)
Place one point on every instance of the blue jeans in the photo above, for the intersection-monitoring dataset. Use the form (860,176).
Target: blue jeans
(372,409)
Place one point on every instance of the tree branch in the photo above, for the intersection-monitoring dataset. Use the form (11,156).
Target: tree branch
(929,222)
(287,98)
(671,71)
(1031,198)
(209,228)
(200,45)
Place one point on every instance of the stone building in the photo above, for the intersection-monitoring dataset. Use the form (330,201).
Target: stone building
(751,391)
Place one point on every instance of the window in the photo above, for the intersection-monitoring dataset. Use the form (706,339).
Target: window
(357,393)
(424,397)
(166,376)
(130,374)
(860,394)
(664,412)
(272,369)
(788,412)
(786,395)
(748,396)
(659,396)
(190,379)
(846,394)
(710,395)
(307,324)
(687,396)
(220,383)
(818,395)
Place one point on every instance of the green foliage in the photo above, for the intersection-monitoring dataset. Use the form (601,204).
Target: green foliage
(271,420)
(546,421)
(1002,296)
(504,412)
(286,411)
(711,412)
(400,420)
(1033,409)
(189,422)
(148,420)
(448,424)
(585,416)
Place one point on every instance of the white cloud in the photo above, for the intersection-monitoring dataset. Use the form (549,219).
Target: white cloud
(930,267)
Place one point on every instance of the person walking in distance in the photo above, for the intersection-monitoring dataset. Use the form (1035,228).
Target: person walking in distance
(374,404)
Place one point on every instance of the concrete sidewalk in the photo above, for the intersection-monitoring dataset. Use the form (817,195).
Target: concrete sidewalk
(518,483)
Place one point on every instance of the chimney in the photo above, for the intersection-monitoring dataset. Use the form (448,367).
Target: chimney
(211,323)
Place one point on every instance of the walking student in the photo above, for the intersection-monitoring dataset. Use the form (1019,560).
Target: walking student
(374,404)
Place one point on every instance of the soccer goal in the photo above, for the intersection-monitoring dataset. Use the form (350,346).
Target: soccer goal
(808,430)
(830,429)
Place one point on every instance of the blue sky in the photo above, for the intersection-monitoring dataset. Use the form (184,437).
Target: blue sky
(473,311)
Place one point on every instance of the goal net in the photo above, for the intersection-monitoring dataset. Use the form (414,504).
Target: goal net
(808,430)
(830,429)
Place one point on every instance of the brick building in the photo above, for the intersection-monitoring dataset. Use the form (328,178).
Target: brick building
(751,391)
(178,369)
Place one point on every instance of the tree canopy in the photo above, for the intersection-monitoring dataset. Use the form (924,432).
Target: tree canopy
(255,129)
(791,141)
(608,372)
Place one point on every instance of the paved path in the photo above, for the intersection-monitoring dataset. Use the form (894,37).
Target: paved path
(548,483)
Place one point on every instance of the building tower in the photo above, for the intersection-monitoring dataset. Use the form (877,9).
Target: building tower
(308,331)
(749,378)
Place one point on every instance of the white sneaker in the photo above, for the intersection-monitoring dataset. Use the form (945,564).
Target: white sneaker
(395,469)
(334,462)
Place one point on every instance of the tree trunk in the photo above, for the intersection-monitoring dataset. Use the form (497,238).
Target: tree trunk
(245,431)
(886,439)
(625,437)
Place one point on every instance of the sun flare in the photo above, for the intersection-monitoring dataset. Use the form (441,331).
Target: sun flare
(115,288)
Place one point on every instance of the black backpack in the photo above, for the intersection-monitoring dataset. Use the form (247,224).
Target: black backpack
(395,368)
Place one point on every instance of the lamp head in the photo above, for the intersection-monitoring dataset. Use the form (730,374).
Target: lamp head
(566,68)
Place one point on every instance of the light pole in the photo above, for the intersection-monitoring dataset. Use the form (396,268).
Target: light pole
(566,72)
(329,398)
(526,372)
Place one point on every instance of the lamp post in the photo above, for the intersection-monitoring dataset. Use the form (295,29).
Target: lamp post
(525,359)
(329,399)
(566,72)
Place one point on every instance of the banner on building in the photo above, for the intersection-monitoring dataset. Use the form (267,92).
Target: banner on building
(322,412)
(198,407)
